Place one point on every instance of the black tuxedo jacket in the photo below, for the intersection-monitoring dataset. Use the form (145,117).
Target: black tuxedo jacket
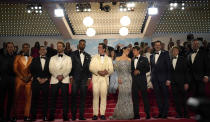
(180,75)
(199,68)
(36,68)
(161,70)
(80,72)
(142,66)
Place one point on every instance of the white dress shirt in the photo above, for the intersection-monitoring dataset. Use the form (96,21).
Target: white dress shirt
(174,61)
(42,62)
(26,57)
(157,56)
(82,58)
(193,56)
(136,61)
(102,59)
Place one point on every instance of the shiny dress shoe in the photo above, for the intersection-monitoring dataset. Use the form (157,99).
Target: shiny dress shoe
(45,118)
(136,117)
(159,116)
(95,117)
(103,117)
(148,116)
(27,119)
(82,118)
(14,119)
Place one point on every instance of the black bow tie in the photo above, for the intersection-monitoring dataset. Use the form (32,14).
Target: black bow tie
(174,57)
(26,55)
(194,51)
(81,52)
(43,57)
(136,57)
(157,53)
(60,55)
(102,55)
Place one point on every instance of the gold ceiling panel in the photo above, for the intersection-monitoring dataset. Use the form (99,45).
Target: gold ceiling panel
(106,22)
(15,21)
(195,18)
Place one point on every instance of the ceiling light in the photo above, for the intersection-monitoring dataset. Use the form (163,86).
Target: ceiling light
(88,21)
(175,4)
(182,8)
(59,13)
(123,31)
(130,4)
(29,11)
(125,21)
(90,32)
(171,8)
(153,11)
(36,7)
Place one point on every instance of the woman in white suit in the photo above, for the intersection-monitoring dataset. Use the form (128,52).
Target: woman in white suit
(101,66)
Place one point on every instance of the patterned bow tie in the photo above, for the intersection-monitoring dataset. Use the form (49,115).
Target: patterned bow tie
(102,55)
(157,53)
(60,55)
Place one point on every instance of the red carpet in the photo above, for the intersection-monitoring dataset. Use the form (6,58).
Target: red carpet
(111,102)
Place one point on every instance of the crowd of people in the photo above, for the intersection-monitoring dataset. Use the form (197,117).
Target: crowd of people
(129,70)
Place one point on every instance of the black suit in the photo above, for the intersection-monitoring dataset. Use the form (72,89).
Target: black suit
(160,73)
(80,74)
(51,52)
(140,83)
(7,83)
(198,70)
(36,71)
(179,77)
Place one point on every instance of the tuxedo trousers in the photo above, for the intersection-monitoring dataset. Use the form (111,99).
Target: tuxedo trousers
(99,91)
(19,84)
(81,87)
(65,95)
(36,89)
(6,88)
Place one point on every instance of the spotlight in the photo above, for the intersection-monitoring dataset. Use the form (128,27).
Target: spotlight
(175,4)
(36,7)
(40,11)
(59,13)
(125,21)
(182,8)
(29,11)
(88,21)
(130,4)
(36,11)
(123,31)
(90,32)
(40,7)
(153,11)
(171,8)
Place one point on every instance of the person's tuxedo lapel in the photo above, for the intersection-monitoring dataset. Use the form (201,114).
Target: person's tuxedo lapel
(159,58)
(79,59)
(40,64)
(152,59)
(197,57)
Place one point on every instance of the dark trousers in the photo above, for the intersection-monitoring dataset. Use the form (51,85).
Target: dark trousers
(6,88)
(180,98)
(65,94)
(36,89)
(137,86)
(78,86)
(162,94)
(197,88)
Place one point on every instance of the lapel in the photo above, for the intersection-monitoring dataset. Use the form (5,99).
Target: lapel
(140,58)
(190,58)
(177,63)
(197,56)
(153,59)
(39,63)
(78,58)
(161,54)
(23,60)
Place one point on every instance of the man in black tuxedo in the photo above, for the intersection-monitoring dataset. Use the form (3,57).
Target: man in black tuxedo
(81,77)
(139,68)
(179,82)
(7,81)
(39,69)
(198,67)
(160,77)
(108,48)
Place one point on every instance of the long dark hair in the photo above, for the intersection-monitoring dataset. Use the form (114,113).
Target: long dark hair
(37,45)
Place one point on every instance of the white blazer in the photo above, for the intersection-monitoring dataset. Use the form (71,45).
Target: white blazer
(60,66)
(96,65)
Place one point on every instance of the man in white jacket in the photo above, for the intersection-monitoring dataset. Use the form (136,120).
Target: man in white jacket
(101,66)
(60,67)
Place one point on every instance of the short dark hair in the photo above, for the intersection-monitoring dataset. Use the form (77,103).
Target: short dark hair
(158,41)
(103,45)
(124,47)
(137,48)
(61,43)
(26,44)
(82,40)
(136,43)
(175,47)
(9,43)
(42,47)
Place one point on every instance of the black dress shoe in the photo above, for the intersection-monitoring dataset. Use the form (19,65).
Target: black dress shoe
(14,119)
(27,119)
(148,116)
(95,117)
(103,117)
(159,116)
(164,117)
(136,117)
(82,118)
(45,118)
(65,118)
(179,116)
(51,119)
